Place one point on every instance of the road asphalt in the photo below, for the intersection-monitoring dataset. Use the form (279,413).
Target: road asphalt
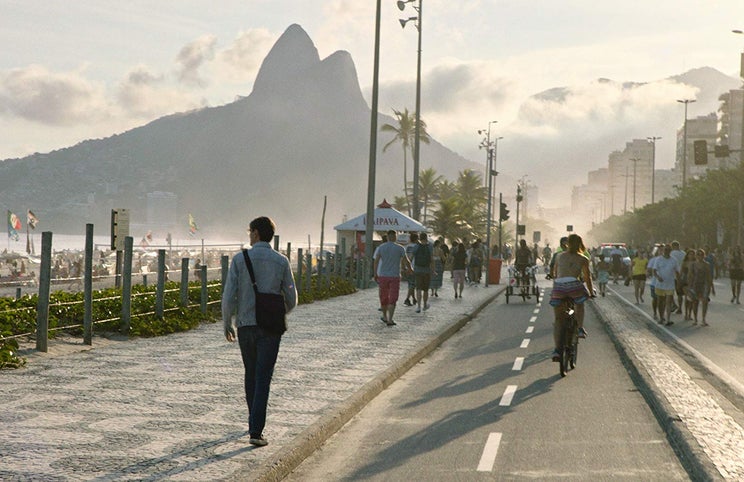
(172,408)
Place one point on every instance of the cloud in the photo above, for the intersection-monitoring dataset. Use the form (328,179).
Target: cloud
(192,57)
(146,95)
(241,60)
(34,93)
(597,107)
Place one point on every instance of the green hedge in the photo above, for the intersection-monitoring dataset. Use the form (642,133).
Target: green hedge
(67,309)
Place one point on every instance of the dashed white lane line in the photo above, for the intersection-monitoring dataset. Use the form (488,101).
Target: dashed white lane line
(533,319)
(530,329)
(488,457)
(525,343)
(506,398)
(536,311)
(518,363)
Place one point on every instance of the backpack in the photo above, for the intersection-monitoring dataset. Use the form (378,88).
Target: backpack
(422,256)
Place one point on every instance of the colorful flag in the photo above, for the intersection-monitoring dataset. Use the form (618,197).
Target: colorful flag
(32,219)
(192,226)
(14,225)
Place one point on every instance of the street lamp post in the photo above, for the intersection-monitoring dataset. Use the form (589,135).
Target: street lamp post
(417,127)
(653,165)
(490,153)
(684,141)
(635,163)
(372,149)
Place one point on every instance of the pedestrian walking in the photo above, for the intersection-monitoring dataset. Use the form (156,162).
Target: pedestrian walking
(666,270)
(700,285)
(390,259)
(459,261)
(438,276)
(736,273)
(411,294)
(259,349)
(638,270)
(423,266)
(678,255)
(652,281)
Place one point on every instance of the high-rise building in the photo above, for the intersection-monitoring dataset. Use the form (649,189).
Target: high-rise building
(703,128)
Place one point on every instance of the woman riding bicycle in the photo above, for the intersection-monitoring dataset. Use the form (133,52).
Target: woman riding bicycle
(571,272)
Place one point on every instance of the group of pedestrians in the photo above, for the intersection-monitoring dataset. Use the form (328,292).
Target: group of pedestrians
(681,282)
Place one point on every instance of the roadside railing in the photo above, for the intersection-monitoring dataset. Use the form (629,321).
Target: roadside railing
(312,271)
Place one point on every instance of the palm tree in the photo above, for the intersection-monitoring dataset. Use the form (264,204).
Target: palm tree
(405,133)
(429,187)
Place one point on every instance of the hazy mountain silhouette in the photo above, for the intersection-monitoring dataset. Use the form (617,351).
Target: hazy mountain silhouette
(301,134)
(565,132)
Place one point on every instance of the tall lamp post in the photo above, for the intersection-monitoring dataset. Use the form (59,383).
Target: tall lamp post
(487,144)
(635,163)
(684,141)
(417,127)
(653,165)
(372,149)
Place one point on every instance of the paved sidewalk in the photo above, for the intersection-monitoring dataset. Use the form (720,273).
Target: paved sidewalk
(172,408)
(711,441)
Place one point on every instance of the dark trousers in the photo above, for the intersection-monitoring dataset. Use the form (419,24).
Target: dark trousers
(259,351)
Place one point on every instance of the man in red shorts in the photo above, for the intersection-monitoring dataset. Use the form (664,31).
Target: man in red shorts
(390,258)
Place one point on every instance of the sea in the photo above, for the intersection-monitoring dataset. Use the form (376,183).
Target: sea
(76,242)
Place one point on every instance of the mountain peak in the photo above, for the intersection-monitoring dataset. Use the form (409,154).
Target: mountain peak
(292,53)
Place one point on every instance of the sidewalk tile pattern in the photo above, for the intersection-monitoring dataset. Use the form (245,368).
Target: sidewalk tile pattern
(172,407)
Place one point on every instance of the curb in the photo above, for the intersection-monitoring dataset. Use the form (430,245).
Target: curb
(697,464)
(309,440)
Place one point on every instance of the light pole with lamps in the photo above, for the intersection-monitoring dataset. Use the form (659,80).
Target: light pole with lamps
(372,150)
(684,143)
(635,163)
(417,127)
(489,146)
(653,165)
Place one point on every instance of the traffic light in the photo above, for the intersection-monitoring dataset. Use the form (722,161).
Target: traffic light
(701,152)
(504,212)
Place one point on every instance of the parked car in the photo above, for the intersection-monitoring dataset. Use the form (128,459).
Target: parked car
(605,253)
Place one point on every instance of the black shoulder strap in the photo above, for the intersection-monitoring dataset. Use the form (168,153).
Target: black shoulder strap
(249,265)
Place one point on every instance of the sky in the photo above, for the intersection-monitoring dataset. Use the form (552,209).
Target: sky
(83,69)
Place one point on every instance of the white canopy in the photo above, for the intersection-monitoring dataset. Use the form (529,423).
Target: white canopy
(386,218)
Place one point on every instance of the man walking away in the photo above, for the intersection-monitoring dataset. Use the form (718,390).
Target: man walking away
(390,257)
(258,348)
(410,248)
(423,267)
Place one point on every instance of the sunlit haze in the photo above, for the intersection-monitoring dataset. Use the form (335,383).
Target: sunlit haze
(72,71)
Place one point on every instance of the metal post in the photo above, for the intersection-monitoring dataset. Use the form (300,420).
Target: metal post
(488,220)
(204,292)
(225,263)
(160,290)
(300,260)
(501,244)
(42,304)
(309,270)
(653,166)
(88,287)
(184,282)
(417,127)
(684,145)
(373,139)
(126,288)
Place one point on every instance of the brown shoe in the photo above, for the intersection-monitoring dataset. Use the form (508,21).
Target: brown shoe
(258,441)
